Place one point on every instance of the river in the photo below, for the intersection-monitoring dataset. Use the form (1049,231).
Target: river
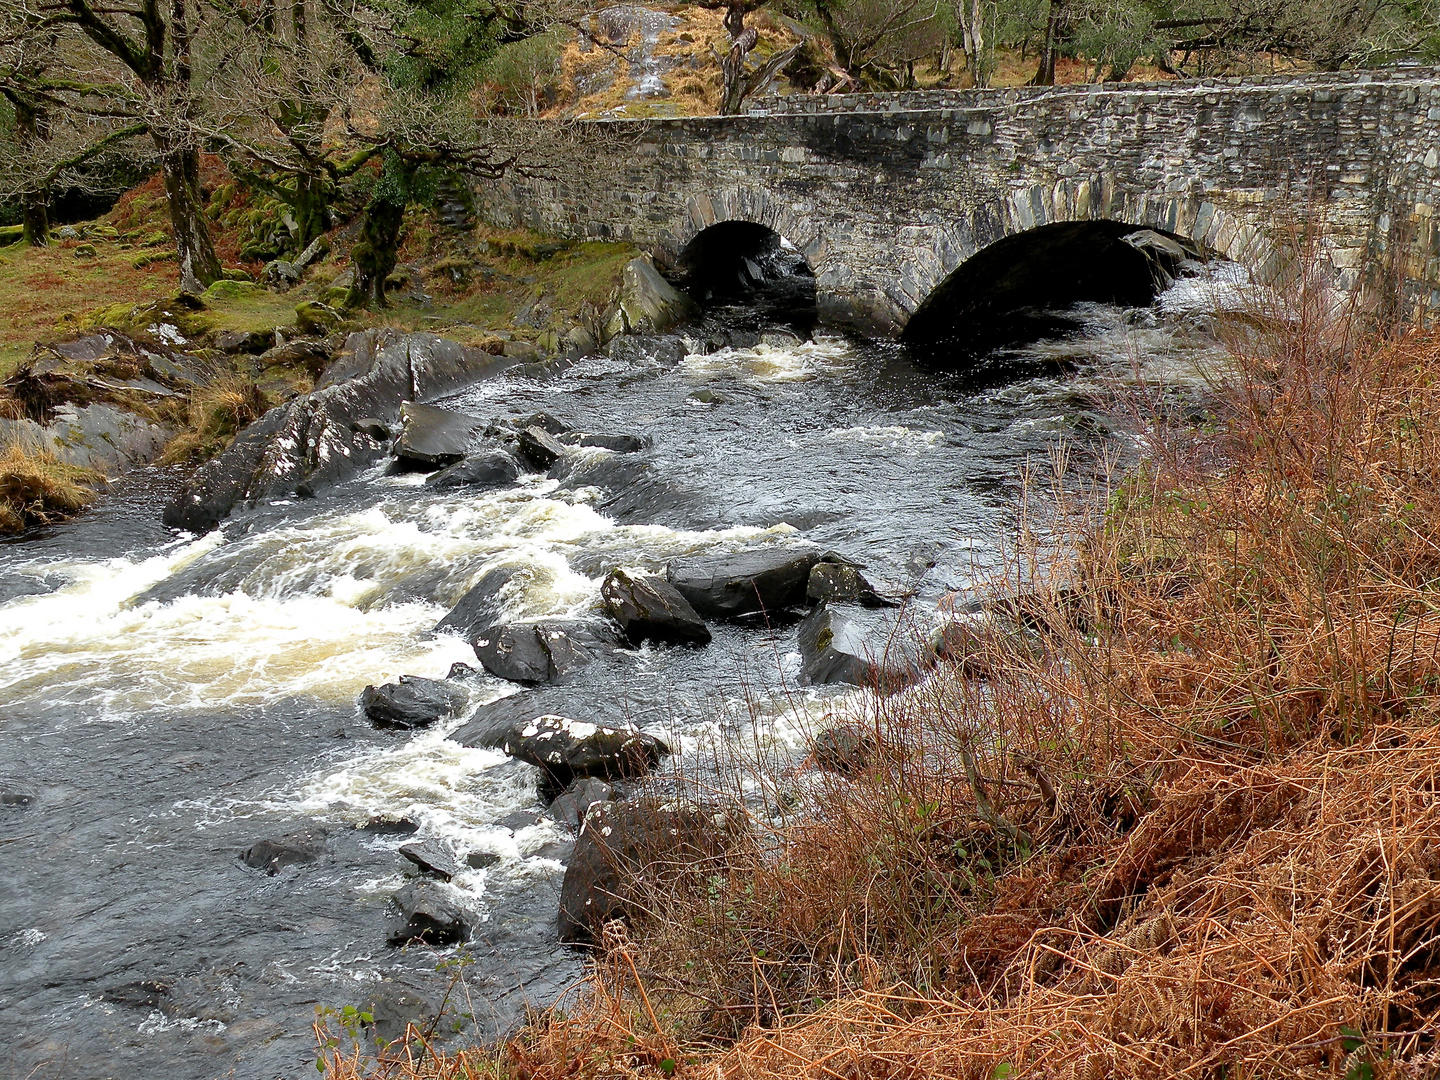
(168,700)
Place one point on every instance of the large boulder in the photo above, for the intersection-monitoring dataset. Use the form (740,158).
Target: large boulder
(480,609)
(548,651)
(836,579)
(432,857)
(312,440)
(428,915)
(102,437)
(849,644)
(539,448)
(562,748)
(649,608)
(727,586)
(622,847)
(648,303)
(412,702)
(488,469)
(432,437)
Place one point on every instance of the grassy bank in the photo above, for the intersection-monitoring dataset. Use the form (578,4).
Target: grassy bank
(1175,817)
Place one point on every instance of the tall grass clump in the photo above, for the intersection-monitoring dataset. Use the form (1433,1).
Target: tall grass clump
(36,488)
(216,414)
(1170,809)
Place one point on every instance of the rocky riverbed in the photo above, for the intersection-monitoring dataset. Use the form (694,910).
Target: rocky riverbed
(300,759)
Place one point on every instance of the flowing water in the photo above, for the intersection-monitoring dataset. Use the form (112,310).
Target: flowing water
(166,701)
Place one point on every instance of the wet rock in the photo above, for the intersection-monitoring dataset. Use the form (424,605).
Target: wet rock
(460,670)
(549,651)
(844,644)
(622,843)
(844,751)
(728,586)
(648,303)
(140,994)
(545,421)
(292,849)
(383,826)
(312,439)
(837,579)
(519,819)
(571,806)
(435,437)
(561,851)
(412,702)
(371,428)
(480,609)
(16,798)
(566,749)
(244,341)
(428,916)
(539,449)
(649,608)
(479,860)
(396,1006)
(490,469)
(432,857)
(619,444)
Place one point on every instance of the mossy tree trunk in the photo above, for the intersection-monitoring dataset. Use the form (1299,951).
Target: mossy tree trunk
(180,166)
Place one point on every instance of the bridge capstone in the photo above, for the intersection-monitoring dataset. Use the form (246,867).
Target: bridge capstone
(886,195)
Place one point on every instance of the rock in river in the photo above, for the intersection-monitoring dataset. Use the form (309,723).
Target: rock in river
(413,702)
(488,469)
(433,857)
(428,915)
(431,437)
(572,804)
(622,844)
(649,608)
(292,849)
(730,585)
(566,749)
(549,651)
(539,448)
(849,644)
(479,610)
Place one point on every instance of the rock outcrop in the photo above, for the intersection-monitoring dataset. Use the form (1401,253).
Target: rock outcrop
(312,440)
(728,586)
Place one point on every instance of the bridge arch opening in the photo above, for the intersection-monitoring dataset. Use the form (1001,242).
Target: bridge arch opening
(1020,288)
(745,265)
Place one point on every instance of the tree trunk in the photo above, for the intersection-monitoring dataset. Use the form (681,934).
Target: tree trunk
(374,257)
(31,129)
(1045,75)
(199,265)
(971,17)
(312,206)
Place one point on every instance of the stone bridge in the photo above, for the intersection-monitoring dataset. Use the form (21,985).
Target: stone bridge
(887,195)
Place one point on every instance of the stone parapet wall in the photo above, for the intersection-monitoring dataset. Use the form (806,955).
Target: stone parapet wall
(886,204)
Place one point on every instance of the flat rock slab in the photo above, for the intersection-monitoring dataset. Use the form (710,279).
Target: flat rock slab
(413,702)
(435,437)
(649,608)
(727,586)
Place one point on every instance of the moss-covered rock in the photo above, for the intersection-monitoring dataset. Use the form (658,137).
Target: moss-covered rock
(227,289)
(313,317)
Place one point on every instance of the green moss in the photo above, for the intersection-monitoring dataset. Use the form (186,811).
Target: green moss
(227,290)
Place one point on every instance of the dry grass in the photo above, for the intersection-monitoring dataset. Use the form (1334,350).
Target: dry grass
(217,413)
(1179,816)
(36,488)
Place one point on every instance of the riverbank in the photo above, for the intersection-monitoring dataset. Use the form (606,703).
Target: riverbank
(1174,814)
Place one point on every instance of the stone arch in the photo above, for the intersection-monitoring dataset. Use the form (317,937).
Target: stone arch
(755,205)
(937,252)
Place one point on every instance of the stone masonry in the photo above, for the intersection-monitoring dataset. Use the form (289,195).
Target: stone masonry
(887,194)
